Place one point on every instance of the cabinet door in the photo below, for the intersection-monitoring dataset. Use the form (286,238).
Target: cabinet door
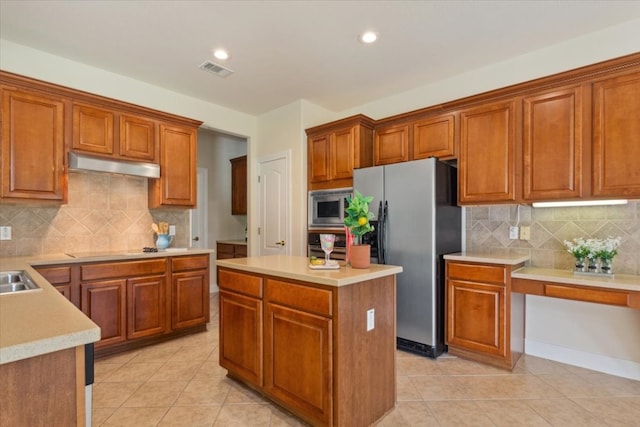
(32,146)
(298,361)
(137,138)
(92,129)
(476,316)
(190,296)
(60,277)
(146,306)
(341,153)
(177,183)
(553,145)
(486,166)
(391,145)
(241,336)
(239,186)
(434,137)
(104,303)
(616,137)
(318,152)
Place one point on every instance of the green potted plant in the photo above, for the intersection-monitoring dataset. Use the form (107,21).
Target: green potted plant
(357,220)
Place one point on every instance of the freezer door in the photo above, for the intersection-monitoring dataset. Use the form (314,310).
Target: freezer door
(410,192)
(370,182)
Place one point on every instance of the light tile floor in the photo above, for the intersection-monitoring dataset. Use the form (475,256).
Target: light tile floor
(179,383)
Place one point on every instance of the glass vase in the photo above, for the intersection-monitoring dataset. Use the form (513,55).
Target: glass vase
(580,265)
(592,265)
(606,266)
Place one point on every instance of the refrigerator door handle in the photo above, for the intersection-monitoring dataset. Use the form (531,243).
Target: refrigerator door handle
(383,233)
(379,234)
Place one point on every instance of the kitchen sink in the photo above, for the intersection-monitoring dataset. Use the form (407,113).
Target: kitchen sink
(16,281)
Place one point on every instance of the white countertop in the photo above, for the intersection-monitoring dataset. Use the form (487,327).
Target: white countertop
(297,268)
(504,258)
(233,242)
(620,281)
(43,321)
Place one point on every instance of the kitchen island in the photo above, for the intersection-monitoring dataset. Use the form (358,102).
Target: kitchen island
(320,343)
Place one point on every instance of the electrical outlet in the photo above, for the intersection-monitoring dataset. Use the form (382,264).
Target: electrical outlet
(172,230)
(513,233)
(5,233)
(371,314)
(525,232)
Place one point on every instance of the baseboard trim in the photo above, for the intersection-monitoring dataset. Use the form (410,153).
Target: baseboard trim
(597,362)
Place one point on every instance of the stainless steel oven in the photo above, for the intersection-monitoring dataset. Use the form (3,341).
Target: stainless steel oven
(326,207)
(339,247)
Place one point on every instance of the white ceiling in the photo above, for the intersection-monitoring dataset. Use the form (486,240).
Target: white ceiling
(283,51)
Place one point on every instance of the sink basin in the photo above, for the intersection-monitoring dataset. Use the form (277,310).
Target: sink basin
(16,281)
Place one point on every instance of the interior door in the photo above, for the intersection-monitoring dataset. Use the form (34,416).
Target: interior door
(274,206)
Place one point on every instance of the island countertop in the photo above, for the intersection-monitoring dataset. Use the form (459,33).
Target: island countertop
(297,268)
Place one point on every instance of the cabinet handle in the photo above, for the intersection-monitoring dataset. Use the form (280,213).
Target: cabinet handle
(280,243)
(196,239)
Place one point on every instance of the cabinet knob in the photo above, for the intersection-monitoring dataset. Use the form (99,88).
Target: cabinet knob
(280,243)
(196,239)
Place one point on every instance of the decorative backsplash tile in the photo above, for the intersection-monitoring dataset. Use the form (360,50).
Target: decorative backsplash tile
(488,230)
(105,213)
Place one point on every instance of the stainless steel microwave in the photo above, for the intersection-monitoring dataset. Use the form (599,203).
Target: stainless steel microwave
(326,207)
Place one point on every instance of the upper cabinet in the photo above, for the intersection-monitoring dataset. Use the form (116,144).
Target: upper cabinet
(33,135)
(616,136)
(109,132)
(336,149)
(42,122)
(417,136)
(556,125)
(239,185)
(487,161)
(177,183)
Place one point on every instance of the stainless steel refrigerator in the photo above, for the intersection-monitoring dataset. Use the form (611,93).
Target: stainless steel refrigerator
(419,221)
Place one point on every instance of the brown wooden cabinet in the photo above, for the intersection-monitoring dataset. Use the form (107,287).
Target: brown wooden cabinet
(239,185)
(93,129)
(300,315)
(616,136)
(391,144)
(132,301)
(555,162)
(301,344)
(190,291)
(137,138)
(335,149)
(241,325)
(177,183)
(33,137)
(230,250)
(487,163)
(416,136)
(104,301)
(485,321)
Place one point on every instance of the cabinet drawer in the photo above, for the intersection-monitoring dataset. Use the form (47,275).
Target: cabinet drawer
(189,262)
(56,275)
(224,248)
(476,272)
(588,295)
(241,283)
(119,269)
(309,299)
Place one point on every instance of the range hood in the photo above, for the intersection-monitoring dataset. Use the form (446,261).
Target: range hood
(82,162)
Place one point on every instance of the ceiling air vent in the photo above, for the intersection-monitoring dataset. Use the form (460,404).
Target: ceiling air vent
(216,69)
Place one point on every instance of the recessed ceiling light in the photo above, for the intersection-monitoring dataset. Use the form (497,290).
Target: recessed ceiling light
(221,54)
(368,37)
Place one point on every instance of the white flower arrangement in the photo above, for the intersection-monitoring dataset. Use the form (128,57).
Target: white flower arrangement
(593,248)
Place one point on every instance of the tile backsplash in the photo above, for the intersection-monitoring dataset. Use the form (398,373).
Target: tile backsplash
(487,229)
(105,213)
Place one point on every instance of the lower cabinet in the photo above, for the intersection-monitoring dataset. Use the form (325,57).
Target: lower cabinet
(137,302)
(280,338)
(485,321)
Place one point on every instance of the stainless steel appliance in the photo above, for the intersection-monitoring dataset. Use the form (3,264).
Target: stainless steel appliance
(339,246)
(326,208)
(418,222)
